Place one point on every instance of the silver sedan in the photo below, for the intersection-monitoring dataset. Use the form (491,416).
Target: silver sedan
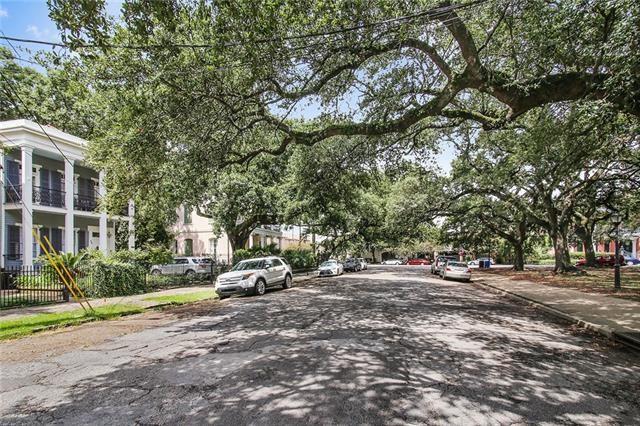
(455,270)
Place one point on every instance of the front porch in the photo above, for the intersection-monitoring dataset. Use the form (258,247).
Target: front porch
(87,233)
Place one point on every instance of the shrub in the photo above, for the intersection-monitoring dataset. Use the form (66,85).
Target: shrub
(153,255)
(113,278)
(241,254)
(300,258)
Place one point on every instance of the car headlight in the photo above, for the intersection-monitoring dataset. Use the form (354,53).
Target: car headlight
(247,276)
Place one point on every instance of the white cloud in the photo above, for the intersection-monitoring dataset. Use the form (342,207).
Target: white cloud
(33,29)
(3,13)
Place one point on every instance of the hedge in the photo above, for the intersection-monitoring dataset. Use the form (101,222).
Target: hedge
(112,278)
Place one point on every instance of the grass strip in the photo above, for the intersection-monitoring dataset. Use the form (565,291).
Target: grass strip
(181,299)
(10,329)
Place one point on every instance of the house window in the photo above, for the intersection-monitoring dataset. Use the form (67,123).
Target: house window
(188,247)
(213,246)
(187,215)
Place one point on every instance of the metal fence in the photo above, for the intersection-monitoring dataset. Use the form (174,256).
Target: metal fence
(184,275)
(31,286)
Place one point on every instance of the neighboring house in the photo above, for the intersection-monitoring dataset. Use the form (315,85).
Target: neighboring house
(629,244)
(195,237)
(56,196)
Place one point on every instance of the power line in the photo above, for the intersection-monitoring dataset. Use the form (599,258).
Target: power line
(430,13)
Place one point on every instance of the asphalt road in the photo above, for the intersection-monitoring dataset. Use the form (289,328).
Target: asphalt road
(384,346)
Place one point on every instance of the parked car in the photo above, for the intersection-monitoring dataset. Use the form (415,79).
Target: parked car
(254,276)
(184,266)
(603,261)
(352,265)
(631,261)
(418,261)
(330,267)
(476,263)
(439,262)
(363,263)
(456,270)
(392,262)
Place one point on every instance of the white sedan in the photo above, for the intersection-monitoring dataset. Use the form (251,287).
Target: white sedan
(455,270)
(330,267)
(392,262)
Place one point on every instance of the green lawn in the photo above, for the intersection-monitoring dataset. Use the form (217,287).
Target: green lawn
(34,323)
(181,299)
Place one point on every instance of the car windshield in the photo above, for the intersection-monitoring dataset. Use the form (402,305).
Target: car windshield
(459,264)
(248,264)
(329,263)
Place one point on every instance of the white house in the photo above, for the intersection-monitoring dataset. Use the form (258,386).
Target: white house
(47,186)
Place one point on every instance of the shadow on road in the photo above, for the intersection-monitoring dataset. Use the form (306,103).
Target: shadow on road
(354,349)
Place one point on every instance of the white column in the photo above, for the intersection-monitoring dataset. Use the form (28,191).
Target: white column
(102,242)
(3,235)
(251,241)
(69,237)
(132,226)
(27,205)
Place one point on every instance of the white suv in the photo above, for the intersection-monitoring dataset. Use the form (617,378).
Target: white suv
(254,276)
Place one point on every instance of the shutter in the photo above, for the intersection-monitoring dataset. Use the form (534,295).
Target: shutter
(13,193)
(45,181)
(56,189)
(43,192)
(56,239)
(13,172)
(82,240)
(13,234)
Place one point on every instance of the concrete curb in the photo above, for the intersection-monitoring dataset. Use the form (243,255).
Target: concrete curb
(620,337)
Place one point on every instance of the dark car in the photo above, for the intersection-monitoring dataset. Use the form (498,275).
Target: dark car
(418,261)
(603,261)
(352,265)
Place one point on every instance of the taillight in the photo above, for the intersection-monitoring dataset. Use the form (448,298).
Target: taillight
(448,269)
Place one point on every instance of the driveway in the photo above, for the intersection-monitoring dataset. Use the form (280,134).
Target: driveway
(390,345)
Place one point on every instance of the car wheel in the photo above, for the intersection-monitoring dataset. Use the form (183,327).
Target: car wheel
(222,297)
(260,288)
(190,273)
(156,272)
(288,282)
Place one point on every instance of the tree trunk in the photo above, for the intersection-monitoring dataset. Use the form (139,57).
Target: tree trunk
(562,259)
(586,235)
(518,257)
(237,240)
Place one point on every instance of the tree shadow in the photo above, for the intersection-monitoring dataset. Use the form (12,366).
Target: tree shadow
(352,351)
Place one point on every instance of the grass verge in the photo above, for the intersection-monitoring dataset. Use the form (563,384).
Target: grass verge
(181,299)
(10,329)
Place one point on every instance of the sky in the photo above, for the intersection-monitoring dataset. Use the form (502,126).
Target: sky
(30,19)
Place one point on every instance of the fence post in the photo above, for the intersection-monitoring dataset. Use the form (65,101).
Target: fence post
(65,293)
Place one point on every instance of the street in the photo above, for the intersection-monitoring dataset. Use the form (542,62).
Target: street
(391,345)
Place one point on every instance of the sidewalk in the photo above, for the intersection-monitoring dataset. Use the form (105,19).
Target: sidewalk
(138,299)
(615,318)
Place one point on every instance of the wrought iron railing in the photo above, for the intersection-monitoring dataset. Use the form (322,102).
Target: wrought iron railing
(48,197)
(12,193)
(87,203)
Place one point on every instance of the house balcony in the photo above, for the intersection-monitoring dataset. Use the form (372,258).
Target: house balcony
(48,197)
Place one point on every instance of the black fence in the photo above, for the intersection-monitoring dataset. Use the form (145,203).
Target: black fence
(34,286)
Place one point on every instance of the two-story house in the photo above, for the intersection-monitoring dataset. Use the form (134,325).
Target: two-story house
(195,237)
(48,187)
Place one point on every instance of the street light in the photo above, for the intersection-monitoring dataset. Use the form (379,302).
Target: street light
(616,218)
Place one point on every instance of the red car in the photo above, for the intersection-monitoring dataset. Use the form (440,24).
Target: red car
(603,261)
(418,261)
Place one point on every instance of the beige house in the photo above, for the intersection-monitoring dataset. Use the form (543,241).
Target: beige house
(195,237)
